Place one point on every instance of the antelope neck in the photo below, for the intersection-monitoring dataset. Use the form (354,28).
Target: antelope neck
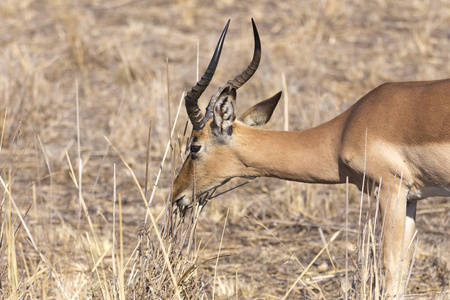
(306,156)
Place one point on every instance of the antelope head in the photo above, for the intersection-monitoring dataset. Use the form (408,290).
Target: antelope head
(214,154)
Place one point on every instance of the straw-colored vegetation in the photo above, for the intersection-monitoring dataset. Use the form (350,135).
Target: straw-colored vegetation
(80,82)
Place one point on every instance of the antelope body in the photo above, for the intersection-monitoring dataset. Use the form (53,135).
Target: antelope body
(397,129)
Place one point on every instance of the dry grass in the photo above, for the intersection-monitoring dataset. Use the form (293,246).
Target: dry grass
(81,231)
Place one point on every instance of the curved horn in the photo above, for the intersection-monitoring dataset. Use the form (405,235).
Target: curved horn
(191,98)
(242,78)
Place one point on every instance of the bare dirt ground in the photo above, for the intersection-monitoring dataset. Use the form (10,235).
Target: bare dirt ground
(128,63)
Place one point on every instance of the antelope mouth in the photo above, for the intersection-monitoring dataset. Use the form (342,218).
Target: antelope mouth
(182,201)
(202,199)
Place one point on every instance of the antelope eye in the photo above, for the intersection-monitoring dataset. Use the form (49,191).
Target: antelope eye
(195,148)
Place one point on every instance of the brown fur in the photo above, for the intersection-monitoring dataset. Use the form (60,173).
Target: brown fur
(398,129)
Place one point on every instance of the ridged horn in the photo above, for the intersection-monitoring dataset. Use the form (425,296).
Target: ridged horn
(242,78)
(191,99)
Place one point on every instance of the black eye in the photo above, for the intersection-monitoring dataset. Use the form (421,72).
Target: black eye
(195,148)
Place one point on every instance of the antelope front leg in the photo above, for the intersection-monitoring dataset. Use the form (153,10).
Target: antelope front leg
(398,230)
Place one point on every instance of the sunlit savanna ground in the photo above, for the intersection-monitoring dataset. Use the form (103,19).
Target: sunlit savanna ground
(111,55)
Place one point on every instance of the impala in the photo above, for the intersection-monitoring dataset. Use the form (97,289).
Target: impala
(398,129)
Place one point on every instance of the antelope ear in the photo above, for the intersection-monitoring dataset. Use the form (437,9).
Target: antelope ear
(260,114)
(225,111)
